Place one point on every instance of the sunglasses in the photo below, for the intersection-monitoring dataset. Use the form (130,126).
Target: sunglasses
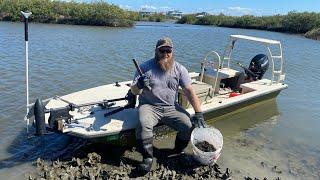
(165,50)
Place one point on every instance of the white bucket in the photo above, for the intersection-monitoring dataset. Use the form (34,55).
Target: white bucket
(214,137)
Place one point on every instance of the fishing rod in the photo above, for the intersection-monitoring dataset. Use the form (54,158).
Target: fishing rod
(26,38)
(63,113)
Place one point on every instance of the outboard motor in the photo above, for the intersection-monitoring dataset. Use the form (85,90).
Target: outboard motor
(258,65)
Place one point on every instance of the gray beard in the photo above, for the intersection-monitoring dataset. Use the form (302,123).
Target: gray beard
(165,64)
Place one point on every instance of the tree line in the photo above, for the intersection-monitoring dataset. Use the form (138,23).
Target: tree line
(293,22)
(98,13)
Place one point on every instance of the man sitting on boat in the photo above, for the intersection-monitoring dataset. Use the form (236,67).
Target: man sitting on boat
(158,90)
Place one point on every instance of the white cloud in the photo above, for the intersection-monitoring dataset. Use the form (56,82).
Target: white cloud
(240,11)
(127,7)
(165,8)
(200,9)
(148,7)
(237,11)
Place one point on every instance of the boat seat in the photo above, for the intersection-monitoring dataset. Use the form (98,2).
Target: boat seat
(203,90)
(255,85)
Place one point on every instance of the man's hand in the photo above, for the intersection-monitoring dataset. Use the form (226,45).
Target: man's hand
(143,81)
(198,120)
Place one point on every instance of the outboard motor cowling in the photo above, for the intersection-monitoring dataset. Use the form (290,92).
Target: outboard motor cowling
(259,65)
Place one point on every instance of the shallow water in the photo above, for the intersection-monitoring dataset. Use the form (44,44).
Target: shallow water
(66,58)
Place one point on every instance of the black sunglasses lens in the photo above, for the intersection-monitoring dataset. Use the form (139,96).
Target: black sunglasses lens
(165,50)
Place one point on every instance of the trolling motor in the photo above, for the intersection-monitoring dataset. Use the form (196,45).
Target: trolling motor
(59,114)
(257,67)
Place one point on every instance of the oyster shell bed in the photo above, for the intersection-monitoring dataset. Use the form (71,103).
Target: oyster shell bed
(101,161)
(92,168)
(98,165)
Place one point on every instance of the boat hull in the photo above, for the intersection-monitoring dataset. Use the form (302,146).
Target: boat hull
(127,138)
(241,106)
(92,124)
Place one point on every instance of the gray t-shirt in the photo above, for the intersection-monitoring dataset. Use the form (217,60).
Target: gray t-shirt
(164,85)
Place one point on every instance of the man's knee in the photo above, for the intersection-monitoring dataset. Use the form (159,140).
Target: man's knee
(184,127)
(184,130)
(182,114)
(184,120)
(182,124)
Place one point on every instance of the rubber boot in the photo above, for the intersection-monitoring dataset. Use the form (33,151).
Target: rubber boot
(180,145)
(146,149)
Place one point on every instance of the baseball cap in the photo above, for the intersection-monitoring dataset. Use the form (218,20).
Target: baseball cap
(164,42)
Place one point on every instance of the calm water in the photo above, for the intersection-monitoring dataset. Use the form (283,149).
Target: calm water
(65,58)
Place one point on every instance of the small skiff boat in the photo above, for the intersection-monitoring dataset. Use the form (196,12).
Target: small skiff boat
(109,112)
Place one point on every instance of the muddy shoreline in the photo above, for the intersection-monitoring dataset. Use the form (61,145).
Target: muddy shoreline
(103,161)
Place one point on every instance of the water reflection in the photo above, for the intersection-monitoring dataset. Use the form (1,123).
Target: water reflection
(241,120)
(27,148)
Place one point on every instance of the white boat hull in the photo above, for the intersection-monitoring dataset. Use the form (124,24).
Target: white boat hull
(90,123)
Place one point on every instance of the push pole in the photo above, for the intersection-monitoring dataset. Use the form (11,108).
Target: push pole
(26,16)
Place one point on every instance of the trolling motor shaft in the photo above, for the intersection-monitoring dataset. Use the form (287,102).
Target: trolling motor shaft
(26,17)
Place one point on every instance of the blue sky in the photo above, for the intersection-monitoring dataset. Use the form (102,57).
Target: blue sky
(229,7)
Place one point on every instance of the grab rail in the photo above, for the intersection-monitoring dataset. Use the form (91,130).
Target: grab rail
(206,63)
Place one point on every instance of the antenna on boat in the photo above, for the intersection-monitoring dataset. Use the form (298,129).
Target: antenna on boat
(26,16)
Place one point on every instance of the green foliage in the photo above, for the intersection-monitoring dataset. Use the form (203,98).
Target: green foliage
(206,20)
(98,13)
(157,17)
(187,19)
(134,16)
(293,22)
(301,22)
